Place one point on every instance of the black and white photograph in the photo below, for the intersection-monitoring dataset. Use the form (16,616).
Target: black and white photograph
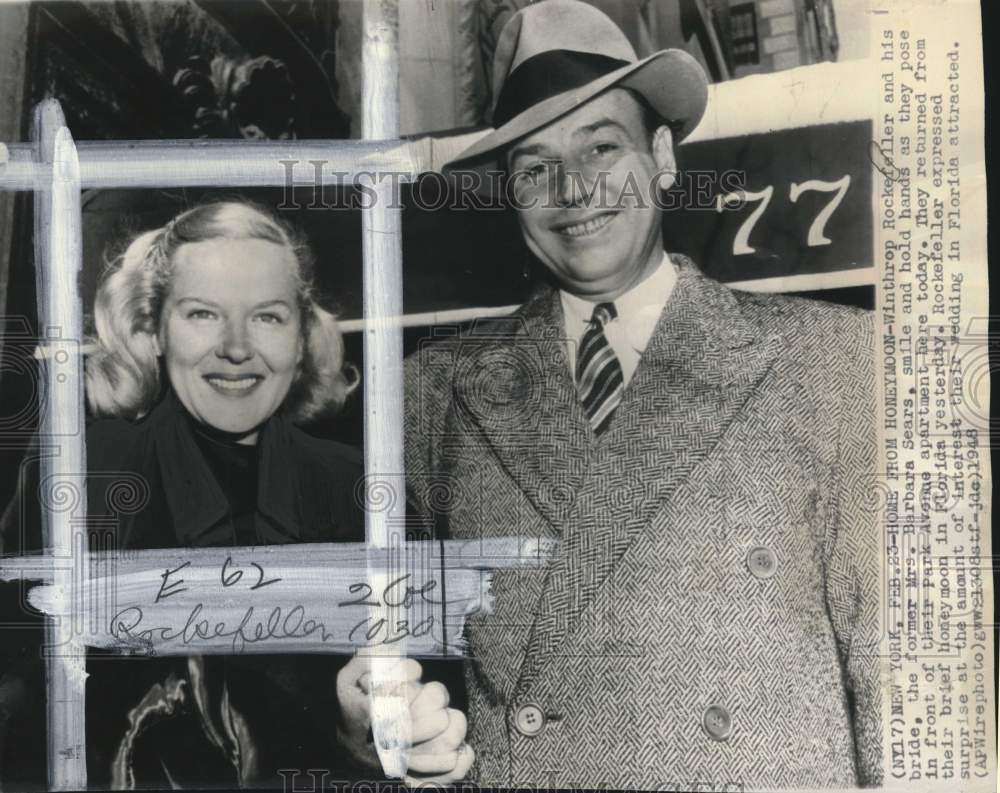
(536,394)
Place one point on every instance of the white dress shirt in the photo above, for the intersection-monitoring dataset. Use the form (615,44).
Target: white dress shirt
(638,311)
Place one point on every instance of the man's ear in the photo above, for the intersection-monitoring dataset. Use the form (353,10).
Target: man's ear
(663,155)
(154,340)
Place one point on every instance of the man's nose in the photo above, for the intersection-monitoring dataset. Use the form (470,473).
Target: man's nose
(571,190)
(235,344)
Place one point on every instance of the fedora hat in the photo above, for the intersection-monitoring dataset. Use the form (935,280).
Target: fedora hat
(555,55)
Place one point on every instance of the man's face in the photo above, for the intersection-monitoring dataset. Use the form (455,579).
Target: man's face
(584,187)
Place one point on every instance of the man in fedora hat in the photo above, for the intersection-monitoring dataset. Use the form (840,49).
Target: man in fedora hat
(701,458)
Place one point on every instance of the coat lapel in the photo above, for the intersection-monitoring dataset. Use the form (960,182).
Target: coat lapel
(196,503)
(198,507)
(514,382)
(287,491)
(700,367)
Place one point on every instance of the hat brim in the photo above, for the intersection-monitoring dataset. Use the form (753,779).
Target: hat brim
(672,82)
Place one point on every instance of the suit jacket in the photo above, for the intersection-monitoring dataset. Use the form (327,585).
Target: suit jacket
(711,613)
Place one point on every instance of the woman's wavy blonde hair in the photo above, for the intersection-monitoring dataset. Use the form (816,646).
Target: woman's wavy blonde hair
(124,376)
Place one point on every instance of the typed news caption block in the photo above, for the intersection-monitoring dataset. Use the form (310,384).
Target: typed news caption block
(930,210)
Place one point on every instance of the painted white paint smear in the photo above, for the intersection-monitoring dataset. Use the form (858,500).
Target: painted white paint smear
(281,599)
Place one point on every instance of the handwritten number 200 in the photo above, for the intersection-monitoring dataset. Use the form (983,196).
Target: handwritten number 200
(816,237)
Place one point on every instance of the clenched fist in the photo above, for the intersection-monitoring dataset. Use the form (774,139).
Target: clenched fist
(437,750)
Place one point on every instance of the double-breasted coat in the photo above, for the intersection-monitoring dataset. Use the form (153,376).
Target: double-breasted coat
(710,614)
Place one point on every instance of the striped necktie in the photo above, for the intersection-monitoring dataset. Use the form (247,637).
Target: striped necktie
(599,379)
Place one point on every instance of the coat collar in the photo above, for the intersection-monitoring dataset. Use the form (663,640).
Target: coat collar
(515,383)
(196,503)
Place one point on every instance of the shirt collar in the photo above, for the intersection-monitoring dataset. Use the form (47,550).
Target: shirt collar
(638,309)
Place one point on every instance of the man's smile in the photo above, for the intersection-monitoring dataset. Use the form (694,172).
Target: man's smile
(585,228)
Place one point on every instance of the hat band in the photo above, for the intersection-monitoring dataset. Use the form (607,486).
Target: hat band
(547,74)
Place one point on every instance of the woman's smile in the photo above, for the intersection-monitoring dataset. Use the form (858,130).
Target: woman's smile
(234,386)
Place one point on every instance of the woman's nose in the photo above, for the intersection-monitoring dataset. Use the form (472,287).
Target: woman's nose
(235,343)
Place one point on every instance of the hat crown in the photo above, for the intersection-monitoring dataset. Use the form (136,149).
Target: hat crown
(556,25)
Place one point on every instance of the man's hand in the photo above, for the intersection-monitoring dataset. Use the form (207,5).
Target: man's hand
(438,750)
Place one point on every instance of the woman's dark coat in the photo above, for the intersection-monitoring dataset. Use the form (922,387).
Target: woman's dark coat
(166,721)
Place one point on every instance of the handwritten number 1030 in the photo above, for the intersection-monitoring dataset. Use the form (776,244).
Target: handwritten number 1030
(816,236)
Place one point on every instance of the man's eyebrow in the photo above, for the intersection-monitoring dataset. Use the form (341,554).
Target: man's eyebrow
(589,129)
(599,124)
(524,151)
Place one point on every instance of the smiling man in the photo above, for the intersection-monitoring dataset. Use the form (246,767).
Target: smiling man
(703,459)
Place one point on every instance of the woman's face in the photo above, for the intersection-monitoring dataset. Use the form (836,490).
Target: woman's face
(230,333)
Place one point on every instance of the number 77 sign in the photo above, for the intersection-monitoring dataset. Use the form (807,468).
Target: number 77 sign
(816,237)
(792,202)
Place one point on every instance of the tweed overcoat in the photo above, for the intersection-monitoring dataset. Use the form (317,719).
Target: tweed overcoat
(710,614)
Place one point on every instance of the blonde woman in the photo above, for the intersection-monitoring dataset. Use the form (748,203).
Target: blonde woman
(210,349)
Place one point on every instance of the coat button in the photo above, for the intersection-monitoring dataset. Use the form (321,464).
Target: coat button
(529,720)
(762,562)
(718,724)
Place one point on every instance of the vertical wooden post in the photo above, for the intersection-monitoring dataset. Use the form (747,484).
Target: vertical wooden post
(13,58)
(383,368)
(58,254)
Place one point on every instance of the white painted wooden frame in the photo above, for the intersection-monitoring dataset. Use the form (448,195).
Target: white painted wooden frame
(57,170)
(58,247)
